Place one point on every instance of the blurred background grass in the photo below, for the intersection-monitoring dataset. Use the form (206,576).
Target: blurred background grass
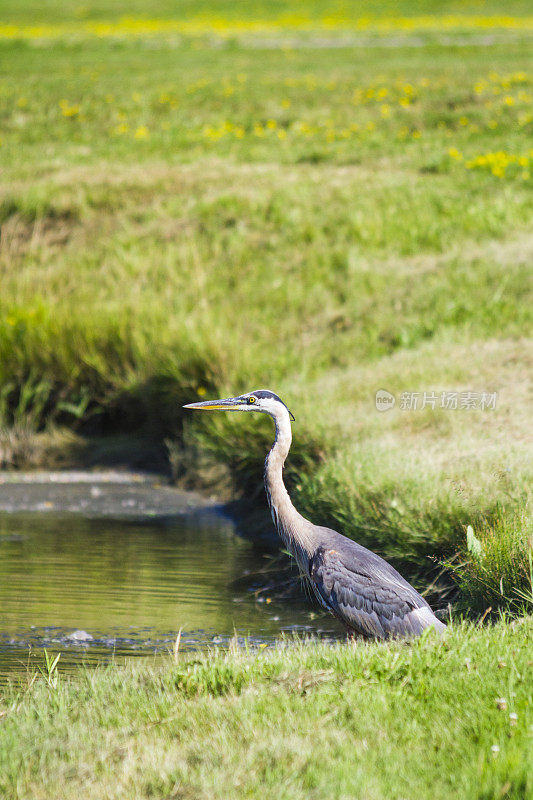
(323,199)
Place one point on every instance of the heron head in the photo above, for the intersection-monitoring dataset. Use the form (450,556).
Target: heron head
(262,400)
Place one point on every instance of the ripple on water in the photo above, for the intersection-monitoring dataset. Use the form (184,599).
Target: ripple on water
(97,589)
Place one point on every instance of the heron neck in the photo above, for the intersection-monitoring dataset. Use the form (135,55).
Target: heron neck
(286,518)
(282,443)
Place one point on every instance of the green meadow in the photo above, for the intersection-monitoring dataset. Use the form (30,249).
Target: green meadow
(326,200)
(292,205)
(430,719)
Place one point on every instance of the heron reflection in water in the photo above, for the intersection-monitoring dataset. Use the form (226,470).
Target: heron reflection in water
(354,584)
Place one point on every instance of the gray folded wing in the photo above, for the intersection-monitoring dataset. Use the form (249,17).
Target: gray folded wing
(367,594)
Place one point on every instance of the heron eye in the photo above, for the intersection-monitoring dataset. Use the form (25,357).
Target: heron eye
(251,400)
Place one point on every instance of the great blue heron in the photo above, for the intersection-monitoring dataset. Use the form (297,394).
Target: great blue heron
(353,583)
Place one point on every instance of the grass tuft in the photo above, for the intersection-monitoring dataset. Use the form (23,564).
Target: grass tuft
(497,570)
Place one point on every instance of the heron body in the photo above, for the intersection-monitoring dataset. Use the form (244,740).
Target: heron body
(354,584)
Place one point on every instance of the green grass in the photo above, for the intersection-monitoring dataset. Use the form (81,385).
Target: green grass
(499,565)
(59,11)
(433,718)
(208,216)
(189,216)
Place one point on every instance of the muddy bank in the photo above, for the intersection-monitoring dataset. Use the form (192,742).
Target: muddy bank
(113,494)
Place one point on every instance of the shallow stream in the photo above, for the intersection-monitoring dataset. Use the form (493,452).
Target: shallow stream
(102,570)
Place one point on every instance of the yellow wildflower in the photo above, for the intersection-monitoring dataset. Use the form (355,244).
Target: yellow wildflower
(67,110)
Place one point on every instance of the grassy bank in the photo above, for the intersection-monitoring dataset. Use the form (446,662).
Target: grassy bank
(434,718)
(247,206)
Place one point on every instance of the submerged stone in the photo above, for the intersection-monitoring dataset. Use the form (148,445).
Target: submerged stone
(80,636)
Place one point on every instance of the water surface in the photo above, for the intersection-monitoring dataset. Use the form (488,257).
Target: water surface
(101,589)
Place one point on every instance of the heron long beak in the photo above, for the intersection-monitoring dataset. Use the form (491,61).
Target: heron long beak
(230,404)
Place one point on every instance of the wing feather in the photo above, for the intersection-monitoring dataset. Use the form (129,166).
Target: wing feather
(367,594)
